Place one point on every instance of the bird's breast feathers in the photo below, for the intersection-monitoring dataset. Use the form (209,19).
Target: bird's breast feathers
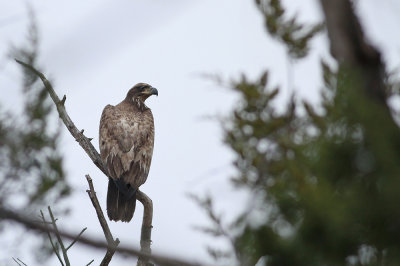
(126,142)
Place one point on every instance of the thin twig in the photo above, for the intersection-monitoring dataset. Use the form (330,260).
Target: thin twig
(218,228)
(51,240)
(92,195)
(60,242)
(112,244)
(22,262)
(17,261)
(89,263)
(76,239)
(34,225)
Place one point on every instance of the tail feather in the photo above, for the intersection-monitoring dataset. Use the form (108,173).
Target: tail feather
(120,206)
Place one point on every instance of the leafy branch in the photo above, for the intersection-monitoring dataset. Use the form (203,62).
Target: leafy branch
(217,229)
(289,31)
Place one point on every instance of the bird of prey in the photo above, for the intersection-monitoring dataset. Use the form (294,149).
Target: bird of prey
(126,148)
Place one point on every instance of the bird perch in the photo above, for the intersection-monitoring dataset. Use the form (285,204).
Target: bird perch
(84,142)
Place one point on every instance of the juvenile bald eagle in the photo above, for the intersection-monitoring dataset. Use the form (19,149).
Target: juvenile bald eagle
(126,148)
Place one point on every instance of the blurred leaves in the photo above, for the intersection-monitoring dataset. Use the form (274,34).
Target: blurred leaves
(31,169)
(329,174)
(31,164)
(325,179)
(294,35)
(217,228)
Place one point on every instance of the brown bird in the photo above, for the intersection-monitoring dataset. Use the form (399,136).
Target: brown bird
(126,148)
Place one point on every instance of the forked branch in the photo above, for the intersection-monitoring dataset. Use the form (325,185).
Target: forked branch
(85,143)
(59,242)
(31,224)
(112,244)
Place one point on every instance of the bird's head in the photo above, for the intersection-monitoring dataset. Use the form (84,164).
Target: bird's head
(141,91)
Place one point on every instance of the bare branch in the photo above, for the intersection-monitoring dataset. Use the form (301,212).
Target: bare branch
(18,261)
(77,134)
(85,143)
(22,262)
(100,215)
(34,225)
(112,244)
(107,258)
(57,233)
(145,237)
(217,229)
(55,249)
(73,242)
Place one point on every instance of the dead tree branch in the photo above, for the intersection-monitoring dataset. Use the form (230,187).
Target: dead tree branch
(60,242)
(57,233)
(60,104)
(145,236)
(76,239)
(84,142)
(39,226)
(112,244)
(51,239)
(18,261)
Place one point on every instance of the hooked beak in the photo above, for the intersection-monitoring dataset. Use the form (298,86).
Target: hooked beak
(153,91)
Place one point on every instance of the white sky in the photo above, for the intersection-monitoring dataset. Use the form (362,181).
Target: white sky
(96,50)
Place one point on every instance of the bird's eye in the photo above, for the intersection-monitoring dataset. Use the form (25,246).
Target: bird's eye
(142,88)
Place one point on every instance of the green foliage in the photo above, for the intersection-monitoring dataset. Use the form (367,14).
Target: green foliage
(291,33)
(31,166)
(31,170)
(330,179)
(217,228)
(325,179)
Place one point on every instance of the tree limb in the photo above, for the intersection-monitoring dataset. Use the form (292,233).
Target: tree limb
(112,244)
(349,47)
(57,233)
(38,226)
(92,195)
(78,135)
(85,143)
(51,240)
(145,236)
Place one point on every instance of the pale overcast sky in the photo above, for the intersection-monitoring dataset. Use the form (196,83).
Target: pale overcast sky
(96,50)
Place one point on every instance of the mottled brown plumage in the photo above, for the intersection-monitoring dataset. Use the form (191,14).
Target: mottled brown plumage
(126,148)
